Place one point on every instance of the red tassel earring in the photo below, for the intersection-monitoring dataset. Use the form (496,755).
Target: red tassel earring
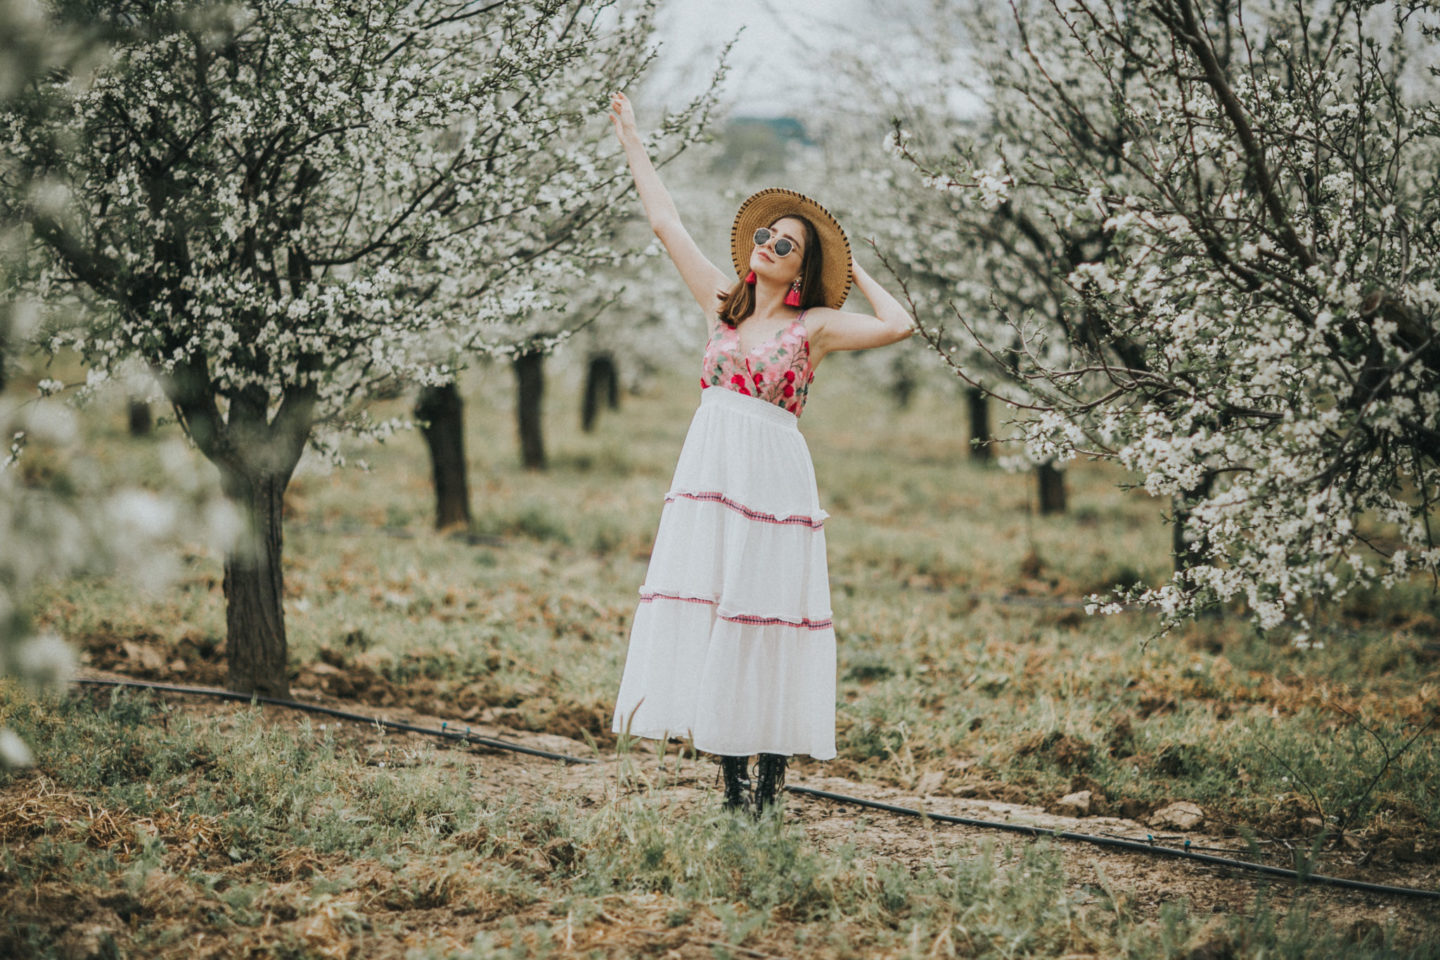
(750,278)
(792,299)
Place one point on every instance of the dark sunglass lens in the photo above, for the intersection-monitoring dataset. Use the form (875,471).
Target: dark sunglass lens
(762,237)
(783,247)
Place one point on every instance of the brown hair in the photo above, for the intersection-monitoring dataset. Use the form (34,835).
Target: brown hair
(738,302)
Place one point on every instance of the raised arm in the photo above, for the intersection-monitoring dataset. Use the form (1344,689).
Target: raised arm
(705,280)
(832,330)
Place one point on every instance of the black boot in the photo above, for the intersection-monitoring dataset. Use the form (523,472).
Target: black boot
(737,788)
(769,778)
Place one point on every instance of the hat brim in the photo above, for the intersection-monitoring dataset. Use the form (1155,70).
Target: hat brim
(764,208)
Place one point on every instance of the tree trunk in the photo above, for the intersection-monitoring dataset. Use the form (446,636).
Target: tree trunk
(530,388)
(601,378)
(441,413)
(1051,482)
(902,383)
(981,440)
(140,420)
(254,587)
(1187,553)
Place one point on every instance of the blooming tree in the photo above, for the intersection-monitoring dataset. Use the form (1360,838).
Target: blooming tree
(990,251)
(581,253)
(1252,328)
(286,205)
(66,516)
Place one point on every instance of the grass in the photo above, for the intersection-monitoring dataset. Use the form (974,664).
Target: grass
(282,839)
(960,667)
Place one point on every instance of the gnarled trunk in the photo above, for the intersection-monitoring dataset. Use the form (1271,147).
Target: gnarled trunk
(441,413)
(981,440)
(141,422)
(254,586)
(601,380)
(1051,483)
(530,389)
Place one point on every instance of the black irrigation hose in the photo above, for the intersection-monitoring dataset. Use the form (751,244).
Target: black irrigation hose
(1120,844)
(1116,842)
(445,732)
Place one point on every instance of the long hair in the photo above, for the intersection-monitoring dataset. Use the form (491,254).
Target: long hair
(738,302)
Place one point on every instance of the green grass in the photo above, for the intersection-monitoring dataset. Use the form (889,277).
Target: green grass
(282,839)
(945,671)
(939,670)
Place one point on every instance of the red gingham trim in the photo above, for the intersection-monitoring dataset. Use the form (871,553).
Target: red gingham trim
(754,621)
(746,512)
(744,618)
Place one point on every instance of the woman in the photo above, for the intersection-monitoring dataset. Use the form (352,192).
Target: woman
(733,642)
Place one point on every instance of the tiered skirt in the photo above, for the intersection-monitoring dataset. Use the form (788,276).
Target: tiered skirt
(732,643)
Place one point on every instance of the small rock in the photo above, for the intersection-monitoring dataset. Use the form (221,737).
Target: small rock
(930,783)
(1072,804)
(1181,815)
(1310,826)
(147,657)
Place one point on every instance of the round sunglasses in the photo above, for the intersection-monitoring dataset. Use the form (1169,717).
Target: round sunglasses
(783,245)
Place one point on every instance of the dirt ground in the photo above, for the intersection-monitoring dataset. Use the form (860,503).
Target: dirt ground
(1145,882)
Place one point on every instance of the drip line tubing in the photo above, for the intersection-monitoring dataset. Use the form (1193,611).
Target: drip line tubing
(1121,844)
(1117,843)
(445,732)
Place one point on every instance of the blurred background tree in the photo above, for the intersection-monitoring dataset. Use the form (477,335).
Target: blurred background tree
(1234,205)
(59,514)
(286,209)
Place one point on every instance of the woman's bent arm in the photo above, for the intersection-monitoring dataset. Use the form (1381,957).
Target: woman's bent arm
(705,280)
(840,330)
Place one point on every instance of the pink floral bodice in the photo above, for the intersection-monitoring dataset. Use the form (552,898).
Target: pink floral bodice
(777,371)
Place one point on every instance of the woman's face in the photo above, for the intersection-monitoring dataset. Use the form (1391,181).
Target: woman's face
(764,261)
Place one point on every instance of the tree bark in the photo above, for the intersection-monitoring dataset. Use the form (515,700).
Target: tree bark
(530,389)
(612,395)
(1187,553)
(981,447)
(1051,483)
(601,378)
(140,420)
(902,384)
(254,587)
(441,413)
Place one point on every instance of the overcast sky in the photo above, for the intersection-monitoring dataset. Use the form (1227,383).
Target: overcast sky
(784,59)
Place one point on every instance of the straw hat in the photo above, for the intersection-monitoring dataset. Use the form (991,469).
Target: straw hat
(767,206)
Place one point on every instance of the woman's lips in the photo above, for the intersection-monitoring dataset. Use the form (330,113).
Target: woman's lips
(765,255)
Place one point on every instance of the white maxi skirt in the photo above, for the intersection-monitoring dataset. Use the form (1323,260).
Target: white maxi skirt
(733,643)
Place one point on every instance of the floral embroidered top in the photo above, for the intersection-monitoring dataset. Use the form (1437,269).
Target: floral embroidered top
(777,371)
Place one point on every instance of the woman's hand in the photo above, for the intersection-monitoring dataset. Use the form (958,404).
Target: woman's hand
(704,279)
(623,117)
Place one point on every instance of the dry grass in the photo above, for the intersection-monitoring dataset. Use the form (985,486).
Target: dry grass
(964,674)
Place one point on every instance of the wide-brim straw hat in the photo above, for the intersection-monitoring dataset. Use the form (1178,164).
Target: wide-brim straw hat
(769,205)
